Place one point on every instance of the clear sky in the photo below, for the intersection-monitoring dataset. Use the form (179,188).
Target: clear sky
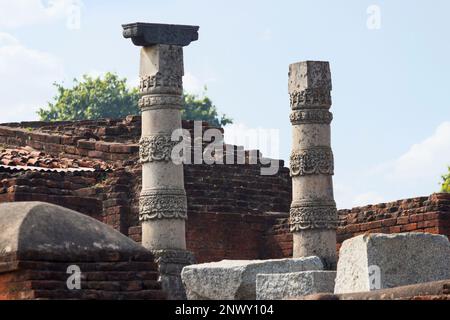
(389,60)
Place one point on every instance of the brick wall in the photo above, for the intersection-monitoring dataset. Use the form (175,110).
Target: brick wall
(423,214)
(231,208)
(56,188)
(103,278)
(107,139)
(227,209)
(105,196)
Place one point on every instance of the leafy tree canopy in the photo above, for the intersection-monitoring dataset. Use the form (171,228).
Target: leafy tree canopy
(202,108)
(446,182)
(110,97)
(92,98)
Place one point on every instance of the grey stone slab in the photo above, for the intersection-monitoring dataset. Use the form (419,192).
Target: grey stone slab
(380,261)
(236,279)
(149,34)
(297,284)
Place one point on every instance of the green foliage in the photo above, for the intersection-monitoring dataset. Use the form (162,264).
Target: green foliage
(446,182)
(92,98)
(109,97)
(202,108)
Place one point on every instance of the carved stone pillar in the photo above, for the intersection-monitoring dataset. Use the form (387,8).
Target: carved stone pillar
(163,205)
(313,215)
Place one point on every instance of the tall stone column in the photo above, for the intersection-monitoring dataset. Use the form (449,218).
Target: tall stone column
(163,204)
(313,214)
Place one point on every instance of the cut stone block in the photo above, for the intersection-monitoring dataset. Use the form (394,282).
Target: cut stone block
(297,284)
(236,279)
(149,34)
(380,261)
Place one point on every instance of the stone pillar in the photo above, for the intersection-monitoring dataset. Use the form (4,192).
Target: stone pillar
(163,204)
(313,214)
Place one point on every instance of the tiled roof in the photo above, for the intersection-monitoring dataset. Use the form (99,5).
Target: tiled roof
(26,158)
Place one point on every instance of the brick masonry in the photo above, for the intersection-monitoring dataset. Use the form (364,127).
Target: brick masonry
(108,278)
(234,212)
(423,214)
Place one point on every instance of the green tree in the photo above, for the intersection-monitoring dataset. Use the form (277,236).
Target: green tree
(92,98)
(446,182)
(109,97)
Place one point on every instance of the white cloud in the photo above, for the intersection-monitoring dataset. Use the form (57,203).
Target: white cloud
(266,35)
(348,197)
(196,84)
(343,194)
(192,84)
(133,82)
(28,77)
(367,198)
(424,161)
(19,13)
(415,173)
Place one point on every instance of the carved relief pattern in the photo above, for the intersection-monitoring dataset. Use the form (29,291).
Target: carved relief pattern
(153,102)
(318,75)
(156,148)
(311,98)
(153,83)
(173,60)
(311,116)
(309,217)
(318,160)
(162,204)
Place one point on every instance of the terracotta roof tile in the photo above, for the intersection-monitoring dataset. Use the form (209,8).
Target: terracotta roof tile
(28,157)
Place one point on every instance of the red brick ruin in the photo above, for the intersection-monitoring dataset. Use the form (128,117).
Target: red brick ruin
(233,211)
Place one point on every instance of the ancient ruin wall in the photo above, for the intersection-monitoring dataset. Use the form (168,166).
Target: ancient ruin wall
(423,214)
(233,211)
(226,203)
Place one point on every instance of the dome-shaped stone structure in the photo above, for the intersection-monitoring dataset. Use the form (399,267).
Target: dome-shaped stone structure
(41,243)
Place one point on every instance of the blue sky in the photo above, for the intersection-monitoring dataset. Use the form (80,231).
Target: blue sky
(391,133)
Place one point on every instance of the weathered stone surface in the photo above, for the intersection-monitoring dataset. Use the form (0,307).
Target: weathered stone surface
(379,261)
(49,232)
(309,75)
(313,214)
(287,285)
(437,290)
(236,279)
(148,34)
(170,265)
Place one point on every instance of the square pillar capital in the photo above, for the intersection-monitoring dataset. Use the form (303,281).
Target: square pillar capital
(312,75)
(149,34)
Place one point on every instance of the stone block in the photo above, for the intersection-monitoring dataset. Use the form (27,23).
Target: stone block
(380,261)
(149,34)
(236,279)
(309,75)
(170,265)
(296,284)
